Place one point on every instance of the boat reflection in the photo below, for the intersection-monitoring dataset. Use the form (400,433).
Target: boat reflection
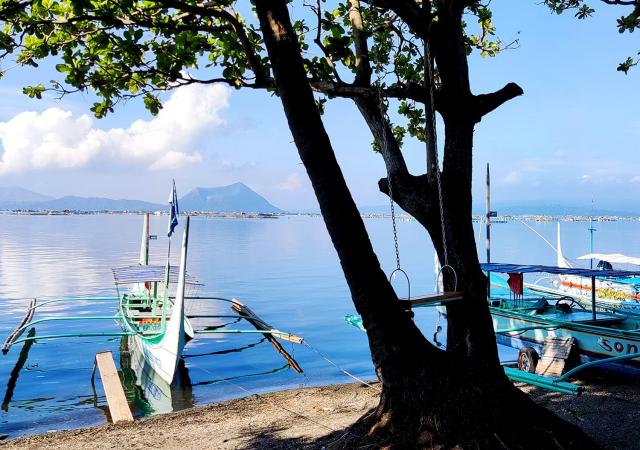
(146,391)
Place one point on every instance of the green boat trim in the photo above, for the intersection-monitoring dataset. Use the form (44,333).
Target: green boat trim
(514,374)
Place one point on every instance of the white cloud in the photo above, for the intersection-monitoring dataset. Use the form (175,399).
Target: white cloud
(585,178)
(636,179)
(292,183)
(56,139)
(512,177)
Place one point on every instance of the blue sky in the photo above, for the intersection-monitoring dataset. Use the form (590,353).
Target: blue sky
(573,135)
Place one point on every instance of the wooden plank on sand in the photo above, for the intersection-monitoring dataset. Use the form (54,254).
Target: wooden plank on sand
(118,406)
(556,356)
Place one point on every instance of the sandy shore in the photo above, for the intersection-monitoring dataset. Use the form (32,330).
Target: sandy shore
(316,418)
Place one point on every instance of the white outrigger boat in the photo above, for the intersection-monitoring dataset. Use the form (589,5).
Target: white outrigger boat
(154,320)
(158,326)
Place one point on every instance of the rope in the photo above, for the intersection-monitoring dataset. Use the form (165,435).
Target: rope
(359,380)
(248,392)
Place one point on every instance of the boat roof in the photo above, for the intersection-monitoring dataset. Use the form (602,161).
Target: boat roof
(526,268)
(141,274)
(616,258)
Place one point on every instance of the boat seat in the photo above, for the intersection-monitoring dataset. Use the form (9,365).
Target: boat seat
(446,297)
(585,317)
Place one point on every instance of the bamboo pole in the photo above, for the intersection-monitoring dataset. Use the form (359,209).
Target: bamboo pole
(260,325)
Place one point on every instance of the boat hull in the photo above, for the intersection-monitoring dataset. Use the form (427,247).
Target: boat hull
(594,342)
(163,355)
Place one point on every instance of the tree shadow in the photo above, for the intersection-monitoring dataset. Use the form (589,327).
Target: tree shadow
(607,411)
(272,438)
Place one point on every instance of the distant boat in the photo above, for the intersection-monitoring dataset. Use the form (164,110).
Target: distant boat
(620,292)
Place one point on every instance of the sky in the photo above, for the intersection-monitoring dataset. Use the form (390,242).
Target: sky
(571,138)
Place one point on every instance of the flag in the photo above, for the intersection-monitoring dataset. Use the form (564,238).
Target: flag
(516,283)
(173,201)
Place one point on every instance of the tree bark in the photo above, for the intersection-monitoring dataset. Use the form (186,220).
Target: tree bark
(393,337)
(430,398)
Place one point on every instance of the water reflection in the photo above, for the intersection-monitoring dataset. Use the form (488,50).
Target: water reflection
(146,391)
(15,372)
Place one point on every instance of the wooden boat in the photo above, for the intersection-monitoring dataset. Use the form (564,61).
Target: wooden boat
(543,324)
(151,315)
(158,325)
(528,319)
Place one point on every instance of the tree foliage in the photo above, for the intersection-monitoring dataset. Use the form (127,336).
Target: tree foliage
(626,23)
(139,48)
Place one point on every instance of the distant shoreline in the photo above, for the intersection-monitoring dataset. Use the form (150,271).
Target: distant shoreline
(403,217)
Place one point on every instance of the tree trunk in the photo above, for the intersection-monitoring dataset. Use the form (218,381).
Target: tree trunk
(394,338)
(430,398)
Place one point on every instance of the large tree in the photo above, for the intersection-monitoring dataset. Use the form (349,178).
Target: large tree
(378,53)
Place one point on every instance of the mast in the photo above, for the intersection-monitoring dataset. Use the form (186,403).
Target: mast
(591,230)
(488,216)
(144,244)
(173,222)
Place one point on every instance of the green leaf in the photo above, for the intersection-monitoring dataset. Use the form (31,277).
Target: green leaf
(34,91)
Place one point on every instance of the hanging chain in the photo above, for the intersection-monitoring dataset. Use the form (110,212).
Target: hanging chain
(435,144)
(383,116)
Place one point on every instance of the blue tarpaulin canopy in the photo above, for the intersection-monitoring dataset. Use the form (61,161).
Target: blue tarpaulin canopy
(525,268)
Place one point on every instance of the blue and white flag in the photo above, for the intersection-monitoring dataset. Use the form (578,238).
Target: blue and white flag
(173,201)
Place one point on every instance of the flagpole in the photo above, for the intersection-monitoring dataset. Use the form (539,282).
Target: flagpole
(173,222)
(166,289)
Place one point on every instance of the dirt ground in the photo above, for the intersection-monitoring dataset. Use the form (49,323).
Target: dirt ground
(317,417)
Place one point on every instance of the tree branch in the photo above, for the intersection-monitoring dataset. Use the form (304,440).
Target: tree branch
(485,103)
(410,91)
(380,127)
(363,66)
(417,18)
(415,195)
(207,11)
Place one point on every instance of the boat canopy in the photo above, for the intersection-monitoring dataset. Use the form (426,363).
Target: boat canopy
(143,274)
(524,268)
(616,258)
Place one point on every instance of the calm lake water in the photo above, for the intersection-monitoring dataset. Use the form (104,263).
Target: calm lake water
(285,269)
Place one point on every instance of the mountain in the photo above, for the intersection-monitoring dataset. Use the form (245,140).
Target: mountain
(233,198)
(96,204)
(15,197)
(236,197)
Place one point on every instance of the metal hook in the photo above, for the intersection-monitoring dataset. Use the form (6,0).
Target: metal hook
(393,274)
(455,278)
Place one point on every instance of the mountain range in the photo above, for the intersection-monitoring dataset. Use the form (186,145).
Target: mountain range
(235,198)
